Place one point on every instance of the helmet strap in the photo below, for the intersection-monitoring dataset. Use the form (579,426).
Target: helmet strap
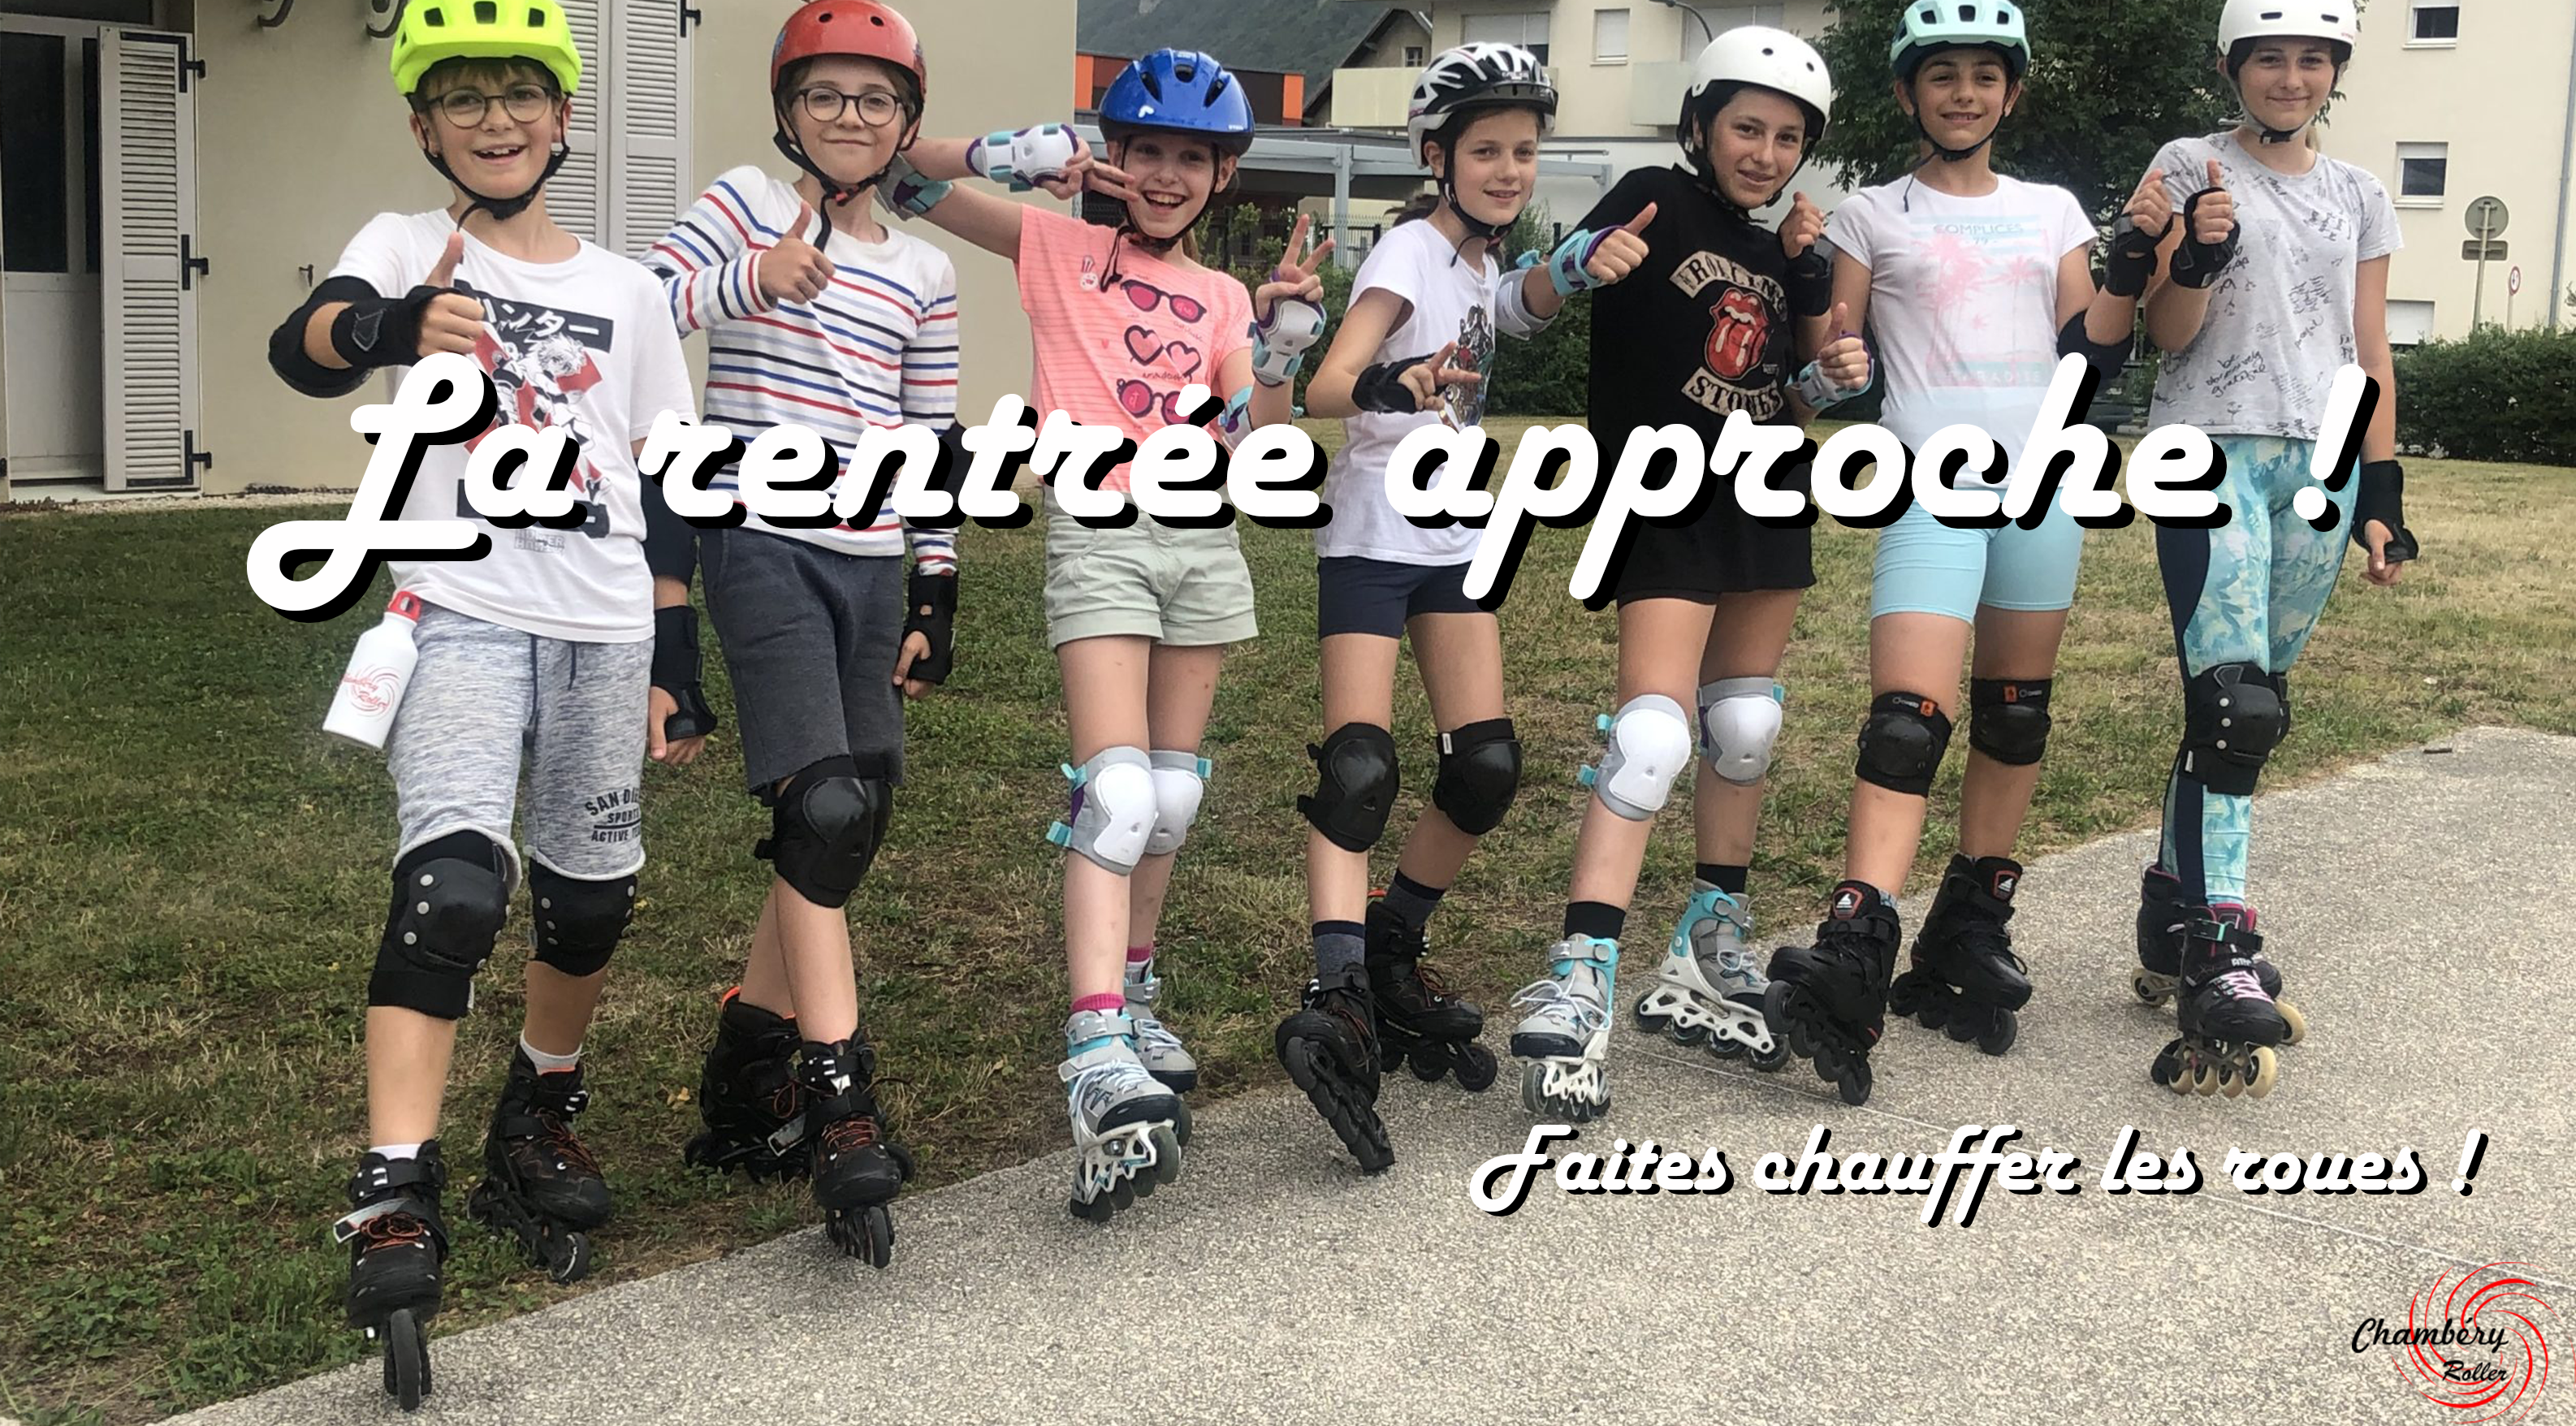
(501,209)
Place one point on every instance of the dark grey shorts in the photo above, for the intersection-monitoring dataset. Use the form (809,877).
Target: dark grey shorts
(810,637)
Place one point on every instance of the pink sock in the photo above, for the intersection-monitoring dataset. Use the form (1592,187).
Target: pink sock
(1144,952)
(1099,1002)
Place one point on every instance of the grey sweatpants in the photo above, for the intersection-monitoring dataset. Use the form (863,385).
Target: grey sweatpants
(482,698)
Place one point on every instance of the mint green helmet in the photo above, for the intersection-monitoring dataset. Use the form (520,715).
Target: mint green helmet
(1932,25)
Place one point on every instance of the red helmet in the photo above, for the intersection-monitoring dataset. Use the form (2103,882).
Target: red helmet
(859,28)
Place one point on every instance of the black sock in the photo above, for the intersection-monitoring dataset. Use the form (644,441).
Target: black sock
(1410,902)
(1597,919)
(1729,879)
(1339,945)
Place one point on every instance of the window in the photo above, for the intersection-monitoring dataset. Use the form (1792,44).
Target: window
(1529,31)
(1722,18)
(2409,322)
(1413,57)
(2434,24)
(1609,37)
(2422,173)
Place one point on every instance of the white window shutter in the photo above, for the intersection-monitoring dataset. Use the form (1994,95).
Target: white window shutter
(648,63)
(148,202)
(574,195)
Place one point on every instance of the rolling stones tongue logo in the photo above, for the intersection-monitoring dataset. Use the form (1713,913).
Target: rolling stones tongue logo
(1738,332)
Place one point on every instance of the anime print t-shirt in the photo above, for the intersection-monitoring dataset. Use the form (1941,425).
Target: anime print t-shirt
(1963,297)
(1115,345)
(585,344)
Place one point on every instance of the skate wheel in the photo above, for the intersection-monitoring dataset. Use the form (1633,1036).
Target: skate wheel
(2150,989)
(1646,1023)
(2167,1069)
(2230,1083)
(1999,1037)
(570,1260)
(2297,1022)
(1180,1120)
(2204,1079)
(406,1360)
(2266,1072)
(1475,1068)
(1726,1049)
(1167,1160)
(1428,1068)
(1773,1061)
(865,1233)
(1854,1085)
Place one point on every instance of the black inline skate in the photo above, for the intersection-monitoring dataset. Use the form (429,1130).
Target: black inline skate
(1416,1016)
(748,1096)
(1964,979)
(540,1184)
(397,1244)
(1828,1001)
(1330,1048)
(2162,914)
(2228,1024)
(857,1168)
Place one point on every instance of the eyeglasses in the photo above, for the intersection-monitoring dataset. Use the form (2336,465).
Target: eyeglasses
(825,105)
(466,108)
(1139,400)
(1146,297)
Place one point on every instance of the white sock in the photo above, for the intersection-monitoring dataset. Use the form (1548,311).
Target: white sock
(397,1151)
(546,1063)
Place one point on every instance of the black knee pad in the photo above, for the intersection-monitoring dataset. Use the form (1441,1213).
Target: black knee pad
(576,923)
(1480,773)
(1902,743)
(2232,720)
(450,898)
(2008,718)
(824,830)
(1355,786)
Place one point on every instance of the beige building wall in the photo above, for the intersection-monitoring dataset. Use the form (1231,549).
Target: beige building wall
(2498,99)
(301,139)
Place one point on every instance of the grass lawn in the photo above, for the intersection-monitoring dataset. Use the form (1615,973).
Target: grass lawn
(191,887)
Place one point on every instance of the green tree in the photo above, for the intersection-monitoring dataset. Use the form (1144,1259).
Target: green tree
(2111,81)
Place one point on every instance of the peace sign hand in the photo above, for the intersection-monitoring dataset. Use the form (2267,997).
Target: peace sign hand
(1296,278)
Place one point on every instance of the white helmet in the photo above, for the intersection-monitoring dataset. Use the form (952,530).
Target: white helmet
(1472,75)
(2334,21)
(1771,59)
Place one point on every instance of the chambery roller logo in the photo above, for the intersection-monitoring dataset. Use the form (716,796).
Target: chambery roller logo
(2477,1343)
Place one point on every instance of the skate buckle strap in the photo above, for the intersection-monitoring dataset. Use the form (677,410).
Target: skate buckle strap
(350,1226)
(787,1136)
(2226,933)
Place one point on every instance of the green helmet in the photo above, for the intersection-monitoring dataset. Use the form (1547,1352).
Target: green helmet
(1932,25)
(432,31)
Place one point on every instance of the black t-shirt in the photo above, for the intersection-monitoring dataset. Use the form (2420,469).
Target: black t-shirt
(1702,329)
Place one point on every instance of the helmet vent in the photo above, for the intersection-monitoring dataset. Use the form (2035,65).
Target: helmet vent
(487,12)
(434,16)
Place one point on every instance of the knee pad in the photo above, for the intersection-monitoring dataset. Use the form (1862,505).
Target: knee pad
(1114,809)
(1739,720)
(1180,779)
(2232,720)
(576,923)
(1355,785)
(1480,773)
(1902,743)
(450,898)
(2008,718)
(1649,743)
(824,830)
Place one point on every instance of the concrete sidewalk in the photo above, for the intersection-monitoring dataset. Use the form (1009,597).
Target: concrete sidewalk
(2418,906)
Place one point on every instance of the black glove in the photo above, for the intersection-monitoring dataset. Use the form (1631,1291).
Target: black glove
(932,612)
(676,667)
(2382,497)
(1811,283)
(1381,388)
(382,331)
(2197,264)
(2131,260)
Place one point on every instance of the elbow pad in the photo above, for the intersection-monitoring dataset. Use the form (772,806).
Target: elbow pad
(2106,358)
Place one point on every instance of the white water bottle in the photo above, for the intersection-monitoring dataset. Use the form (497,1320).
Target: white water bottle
(362,711)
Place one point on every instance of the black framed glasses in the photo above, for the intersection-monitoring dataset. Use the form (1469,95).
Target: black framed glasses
(825,105)
(466,108)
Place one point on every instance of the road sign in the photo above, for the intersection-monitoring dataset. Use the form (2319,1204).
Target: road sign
(2486,217)
(2513,279)
(2475,251)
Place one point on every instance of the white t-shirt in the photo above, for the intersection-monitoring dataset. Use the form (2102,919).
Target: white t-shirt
(585,343)
(1452,300)
(2280,320)
(1963,298)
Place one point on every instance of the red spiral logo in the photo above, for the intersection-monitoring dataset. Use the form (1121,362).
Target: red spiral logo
(373,691)
(2476,1344)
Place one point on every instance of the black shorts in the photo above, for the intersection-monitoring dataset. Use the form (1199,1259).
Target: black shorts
(810,638)
(1724,551)
(1354,595)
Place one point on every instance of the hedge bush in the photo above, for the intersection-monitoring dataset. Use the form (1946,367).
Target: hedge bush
(2494,395)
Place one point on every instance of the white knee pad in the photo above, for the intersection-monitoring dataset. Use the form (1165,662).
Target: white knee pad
(1739,720)
(1649,745)
(1179,780)
(1113,809)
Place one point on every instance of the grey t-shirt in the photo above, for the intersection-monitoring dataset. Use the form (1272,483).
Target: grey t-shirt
(2280,318)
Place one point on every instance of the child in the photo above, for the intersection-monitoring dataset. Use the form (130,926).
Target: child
(1124,318)
(542,648)
(2278,267)
(819,636)
(1714,323)
(1978,283)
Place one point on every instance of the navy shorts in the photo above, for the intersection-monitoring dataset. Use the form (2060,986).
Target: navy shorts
(1355,595)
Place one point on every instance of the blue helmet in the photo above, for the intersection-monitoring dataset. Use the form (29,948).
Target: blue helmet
(1181,92)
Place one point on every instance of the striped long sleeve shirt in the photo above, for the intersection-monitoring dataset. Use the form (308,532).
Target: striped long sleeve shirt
(877,349)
